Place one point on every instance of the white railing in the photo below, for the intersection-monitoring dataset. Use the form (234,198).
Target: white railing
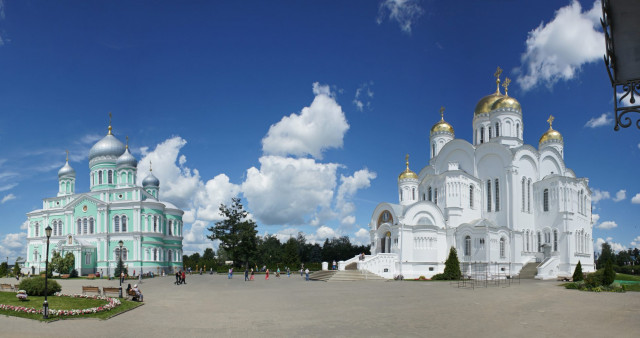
(383,265)
(548,269)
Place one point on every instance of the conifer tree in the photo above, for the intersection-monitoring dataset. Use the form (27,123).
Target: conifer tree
(577,274)
(452,265)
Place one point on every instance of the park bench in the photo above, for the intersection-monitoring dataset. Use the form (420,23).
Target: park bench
(91,276)
(109,290)
(64,276)
(6,287)
(86,289)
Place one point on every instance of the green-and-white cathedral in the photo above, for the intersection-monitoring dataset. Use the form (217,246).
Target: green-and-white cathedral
(91,225)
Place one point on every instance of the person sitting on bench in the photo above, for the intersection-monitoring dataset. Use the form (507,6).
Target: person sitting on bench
(138,292)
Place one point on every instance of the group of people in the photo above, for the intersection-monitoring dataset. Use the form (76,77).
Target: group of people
(135,290)
(181,277)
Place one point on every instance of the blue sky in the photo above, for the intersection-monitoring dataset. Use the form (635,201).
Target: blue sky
(305,109)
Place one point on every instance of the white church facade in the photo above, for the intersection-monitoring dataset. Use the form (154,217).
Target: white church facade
(116,210)
(501,203)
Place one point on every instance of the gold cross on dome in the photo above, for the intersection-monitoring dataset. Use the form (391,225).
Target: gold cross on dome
(498,73)
(550,120)
(505,85)
(67,155)
(127,137)
(110,123)
(442,112)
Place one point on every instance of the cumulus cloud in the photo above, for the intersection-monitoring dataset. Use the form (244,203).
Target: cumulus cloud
(285,190)
(597,195)
(620,195)
(349,186)
(556,50)
(607,225)
(595,218)
(8,186)
(318,127)
(364,95)
(617,247)
(603,120)
(361,237)
(8,198)
(636,199)
(636,242)
(404,12)
(13,245)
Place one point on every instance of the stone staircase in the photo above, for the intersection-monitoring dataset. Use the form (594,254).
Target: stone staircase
(529,271)
(343,276)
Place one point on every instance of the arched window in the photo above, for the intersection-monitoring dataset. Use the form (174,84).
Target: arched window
(170,229)
(36,230)
(502,247)
(413,194)
(117,253)
(488,195)
(116,224)
(545,200)
(497,129)
(91,229)
(170,256)
(481,134)
(489,132)
(59,228)
(518,130)
(155,223)
(528,240)
(539,242)
(435,196)
(529,196)
(84,226)
(124,223)
(430,196)
(467,245)
(155,254)
(100,177)
(497,195)
(79,231)
(523,190)
(433,149)
(110,177)
(471,196)
(555,240)
(54,225)
(125,254)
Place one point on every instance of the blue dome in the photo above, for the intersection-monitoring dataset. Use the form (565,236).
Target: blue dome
(150,181)
(66,171)
(109,147)
(126,160)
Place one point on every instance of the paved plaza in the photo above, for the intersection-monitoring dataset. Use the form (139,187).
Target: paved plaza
(212,305)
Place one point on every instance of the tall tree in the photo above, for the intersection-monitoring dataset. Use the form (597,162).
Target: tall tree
(236,233)
(606,254)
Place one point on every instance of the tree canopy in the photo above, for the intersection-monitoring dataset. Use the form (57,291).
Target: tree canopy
(236,233)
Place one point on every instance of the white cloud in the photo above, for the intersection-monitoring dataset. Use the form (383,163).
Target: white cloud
(614,246)
(557,50)
(597,195)
(13,246)
(620,195)
(361,237)
(8,186)
(636,199)
(363,97)
(636,241)
(7,198)
(595,218)
(607,225)
(318,127)
(404,12)
(286,190)
(603,120)
(349,186)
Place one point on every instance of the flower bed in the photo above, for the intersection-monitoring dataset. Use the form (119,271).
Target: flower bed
(113,302)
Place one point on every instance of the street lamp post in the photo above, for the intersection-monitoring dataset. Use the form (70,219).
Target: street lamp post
(45,305)
(120,244)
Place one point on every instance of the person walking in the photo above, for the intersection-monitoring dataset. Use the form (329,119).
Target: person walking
(307,273)
(184,277)
(230,273)
(288,272)
(252,272)
(246,274)
(278,272)
(266,277)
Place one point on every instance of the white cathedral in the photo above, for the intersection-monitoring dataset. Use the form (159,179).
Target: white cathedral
(501,203)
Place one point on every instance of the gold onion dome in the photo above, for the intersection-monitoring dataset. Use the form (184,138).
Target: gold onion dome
(485,105)
(442,125)
(507,101)
(407,174)
(551,134)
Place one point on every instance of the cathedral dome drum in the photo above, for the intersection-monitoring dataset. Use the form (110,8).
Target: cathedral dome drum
(442,126)
(109,147)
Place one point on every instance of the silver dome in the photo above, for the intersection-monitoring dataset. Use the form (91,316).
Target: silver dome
(109,146)
(150,181)
(66,171)
(126,160)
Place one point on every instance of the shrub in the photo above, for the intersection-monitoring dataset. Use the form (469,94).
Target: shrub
(35,286)
(594,279)
(452,265)
(609,275)
(439,276)
(74,273)
(577,274)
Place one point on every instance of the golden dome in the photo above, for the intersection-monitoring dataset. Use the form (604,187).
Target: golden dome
(485,105)
(407,174)
(442,125)
(507,101)
(551,134)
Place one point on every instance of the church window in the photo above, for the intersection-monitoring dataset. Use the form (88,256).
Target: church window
(502,247)
(497,129)
(170,229)
(87,258)
(55,228)
(481,134)
(100,177)
(539,242)
(125,254)
(433,149)
(110,177)
(555,240)
(518,130)
(471,196)
(497,195)
(36,229)
(79,230)
(430,197)
(155,254)
(488,195)
(528,240)
(116,224)
(124,223)
(529,196)
(170,256)
(84,226)
(545,200)
(523,189)
(435,196)
(91,226)
(467,246)
(413,194)
(155,223)
(489,132)
(423,196)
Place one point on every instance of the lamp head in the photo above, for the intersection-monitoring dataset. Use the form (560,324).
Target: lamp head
(120,244)
(47,230)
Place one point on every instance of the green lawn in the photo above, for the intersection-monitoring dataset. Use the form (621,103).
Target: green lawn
(622,276)
(61,303)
